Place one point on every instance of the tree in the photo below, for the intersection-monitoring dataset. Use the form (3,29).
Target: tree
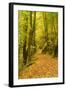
(25,54)
(45,25)
(34,28)
(30,38)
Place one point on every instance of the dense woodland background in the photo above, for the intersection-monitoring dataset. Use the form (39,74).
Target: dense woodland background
(37,44)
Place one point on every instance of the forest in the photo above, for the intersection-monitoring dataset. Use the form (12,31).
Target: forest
(37,44)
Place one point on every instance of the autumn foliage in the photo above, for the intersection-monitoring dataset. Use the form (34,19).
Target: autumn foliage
(37,44)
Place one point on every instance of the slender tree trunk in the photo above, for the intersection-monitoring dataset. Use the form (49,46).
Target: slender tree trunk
(55,35)
(45,33)
(25,54)
(34,28)
(30,38)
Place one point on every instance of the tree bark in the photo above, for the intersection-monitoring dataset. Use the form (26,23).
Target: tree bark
(25,54)
(45,48)
(30,38)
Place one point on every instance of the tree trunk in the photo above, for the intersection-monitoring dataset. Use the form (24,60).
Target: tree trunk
(25,54)
(30,38)
(45,48)
(34,28)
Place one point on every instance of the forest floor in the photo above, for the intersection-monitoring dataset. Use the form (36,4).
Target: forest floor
(44,66)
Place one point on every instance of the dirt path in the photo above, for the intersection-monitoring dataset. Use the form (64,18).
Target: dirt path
(44,66)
